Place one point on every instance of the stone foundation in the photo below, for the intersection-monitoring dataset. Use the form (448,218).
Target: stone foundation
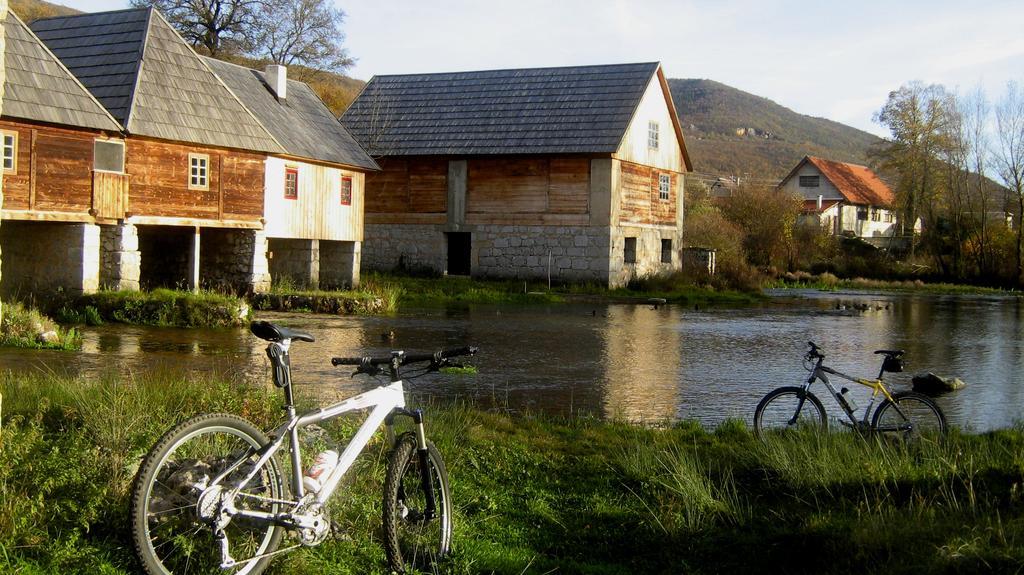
(45,258)
(568,253)
(234,260)
(339,264)
(648,253)
(297,261)
(120,258)
(407,246)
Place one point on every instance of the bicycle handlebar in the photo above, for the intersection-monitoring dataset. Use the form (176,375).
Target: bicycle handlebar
(406,358)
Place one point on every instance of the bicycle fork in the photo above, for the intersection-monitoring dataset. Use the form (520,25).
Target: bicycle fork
(426,480)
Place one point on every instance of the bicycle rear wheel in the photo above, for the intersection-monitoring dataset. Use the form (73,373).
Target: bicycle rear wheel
(168,534)
(910,416)
(411,539)
(783,410)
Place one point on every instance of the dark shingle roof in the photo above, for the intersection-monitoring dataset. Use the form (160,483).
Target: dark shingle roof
(38,87)
(301,122)
(580,109)
(150,80)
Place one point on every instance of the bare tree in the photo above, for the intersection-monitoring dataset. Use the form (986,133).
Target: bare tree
(305,32)
(215,27)
(1009,155)
(917,116)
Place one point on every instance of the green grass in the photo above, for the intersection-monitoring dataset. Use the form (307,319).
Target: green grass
(537,494)
(21,326)
(160,307)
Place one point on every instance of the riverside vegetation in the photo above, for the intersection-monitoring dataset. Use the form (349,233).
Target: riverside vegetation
(537,494)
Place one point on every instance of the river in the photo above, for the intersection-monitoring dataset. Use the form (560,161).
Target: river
(630,362)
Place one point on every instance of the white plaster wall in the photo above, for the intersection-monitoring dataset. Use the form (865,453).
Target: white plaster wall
(317,214)
(653,106)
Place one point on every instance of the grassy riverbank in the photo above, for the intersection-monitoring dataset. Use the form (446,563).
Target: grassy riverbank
(538,495)
(24,326)
(829,282)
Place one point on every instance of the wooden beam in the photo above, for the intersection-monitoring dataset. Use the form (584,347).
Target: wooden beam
(38,216)
(32,170)
(193,222)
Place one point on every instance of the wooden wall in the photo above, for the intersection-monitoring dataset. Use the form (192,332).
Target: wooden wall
(408,186)
(640,202)
(534,190)
(160,174)
(57,177)
(317,213)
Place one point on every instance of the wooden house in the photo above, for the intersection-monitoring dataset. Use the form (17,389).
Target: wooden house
(194,154)
(63,171)
(573,174)
(313,192)
(846,199)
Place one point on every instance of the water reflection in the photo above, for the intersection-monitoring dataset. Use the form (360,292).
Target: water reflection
(620,361)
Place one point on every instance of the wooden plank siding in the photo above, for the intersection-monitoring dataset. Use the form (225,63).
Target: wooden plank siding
(408,186)
(317,211)
(537,190)
(53,171)
(160,178)
(639,198)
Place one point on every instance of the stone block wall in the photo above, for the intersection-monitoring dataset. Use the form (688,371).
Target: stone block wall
(648,253)
(44,257)
(410,246)
(234,260)
(570,253)
(120,258)
(339,264)
(295,259)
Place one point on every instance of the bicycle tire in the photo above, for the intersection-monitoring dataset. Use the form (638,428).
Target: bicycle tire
(777,408)
(409,541)
(172,539)
(923,415)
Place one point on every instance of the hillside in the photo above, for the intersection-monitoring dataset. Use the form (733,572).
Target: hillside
(732,132)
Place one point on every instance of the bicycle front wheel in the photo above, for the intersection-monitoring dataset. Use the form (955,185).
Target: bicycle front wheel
(910,416)
(167,529)
(789,408)
(413,539)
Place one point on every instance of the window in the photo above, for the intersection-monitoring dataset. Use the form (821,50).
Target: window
(664,186)
(291,183)
(652,135)
(198,172)
(810,181)
(346,191)
(108,156)
(862,213)
(10,152)
(876,215)
(666,251)
(888,216)
(629,251)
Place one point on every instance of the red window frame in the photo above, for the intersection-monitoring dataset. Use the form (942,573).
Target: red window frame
(292,194)
(346,191)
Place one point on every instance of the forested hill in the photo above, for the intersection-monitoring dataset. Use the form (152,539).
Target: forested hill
(732,132)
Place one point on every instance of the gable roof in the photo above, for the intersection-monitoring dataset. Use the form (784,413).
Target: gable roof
(301,122)
(857,184)
(38,87)
(578,109)
(150,80)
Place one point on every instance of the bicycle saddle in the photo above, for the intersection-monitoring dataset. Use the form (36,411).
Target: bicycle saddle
(270,332)
(890,352)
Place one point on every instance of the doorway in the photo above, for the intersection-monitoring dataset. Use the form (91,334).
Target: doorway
(460,246)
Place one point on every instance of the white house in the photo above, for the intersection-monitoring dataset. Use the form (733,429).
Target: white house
(847,199)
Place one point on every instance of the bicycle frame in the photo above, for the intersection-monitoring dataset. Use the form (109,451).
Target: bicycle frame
(876,385)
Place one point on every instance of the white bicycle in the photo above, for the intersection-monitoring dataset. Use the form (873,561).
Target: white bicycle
(211,496)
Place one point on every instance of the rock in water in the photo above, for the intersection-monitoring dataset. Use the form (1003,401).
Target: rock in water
(931,383)
(48,337)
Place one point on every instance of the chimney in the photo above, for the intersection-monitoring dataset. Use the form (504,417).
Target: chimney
(277,79)
(819,202)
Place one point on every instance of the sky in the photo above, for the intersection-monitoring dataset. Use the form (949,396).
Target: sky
(833,59)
